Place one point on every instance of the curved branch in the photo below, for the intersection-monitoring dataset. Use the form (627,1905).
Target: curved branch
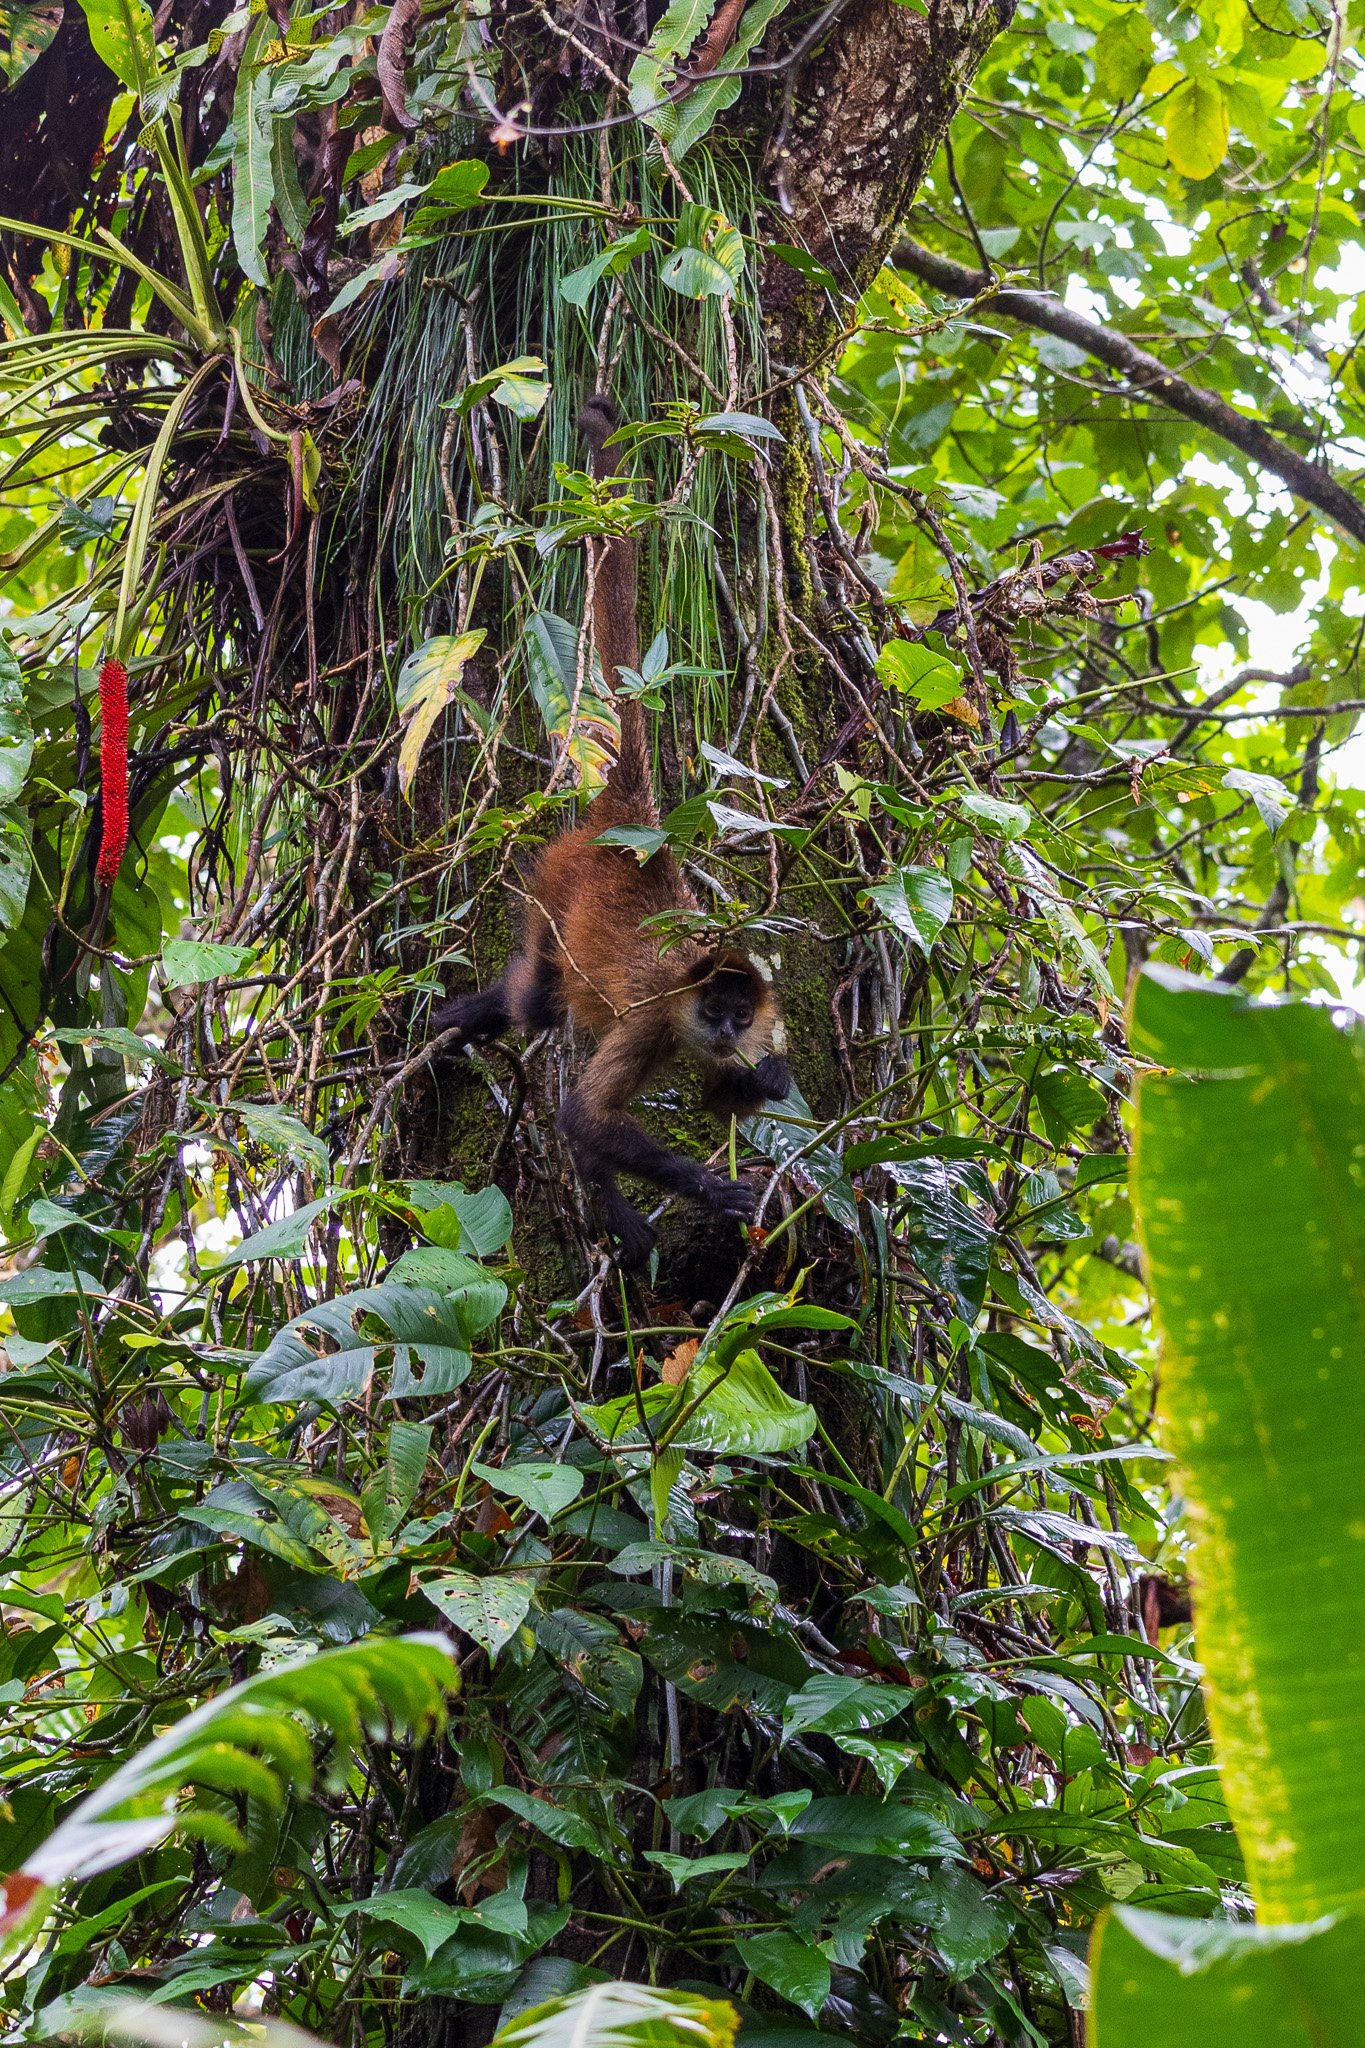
(1146,377)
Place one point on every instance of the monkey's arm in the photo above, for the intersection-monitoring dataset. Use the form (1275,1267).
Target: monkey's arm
(604,1141)
(734,1090)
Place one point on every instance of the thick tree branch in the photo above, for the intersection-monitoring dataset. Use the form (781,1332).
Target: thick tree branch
(1146,377)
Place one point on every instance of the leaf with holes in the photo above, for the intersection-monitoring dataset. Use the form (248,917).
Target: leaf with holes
(427,683)
(491,1609)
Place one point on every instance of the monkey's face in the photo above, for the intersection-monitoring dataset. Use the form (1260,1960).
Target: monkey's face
(724,1014)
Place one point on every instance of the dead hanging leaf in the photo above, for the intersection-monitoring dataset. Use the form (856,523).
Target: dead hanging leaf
(427,683)
(391,61)
(964,712)
(678,1363)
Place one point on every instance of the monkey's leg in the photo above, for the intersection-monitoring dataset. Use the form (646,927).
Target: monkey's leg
(733,1090)
(535,989)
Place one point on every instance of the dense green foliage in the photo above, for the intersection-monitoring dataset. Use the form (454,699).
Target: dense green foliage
(806,1598)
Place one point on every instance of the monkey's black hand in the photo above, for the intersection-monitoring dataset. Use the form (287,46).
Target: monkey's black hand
(773,1077)
(726,1197)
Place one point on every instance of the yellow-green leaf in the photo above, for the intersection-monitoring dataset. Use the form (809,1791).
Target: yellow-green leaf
(1123,54)
(1196,126)
(427,682)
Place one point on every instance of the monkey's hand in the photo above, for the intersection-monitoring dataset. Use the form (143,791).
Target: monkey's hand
(773,1077)
(726,1197)
(738,1091)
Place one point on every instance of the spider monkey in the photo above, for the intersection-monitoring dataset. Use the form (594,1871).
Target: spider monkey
(584,955)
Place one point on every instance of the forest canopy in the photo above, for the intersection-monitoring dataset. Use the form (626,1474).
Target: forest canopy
(795,1634)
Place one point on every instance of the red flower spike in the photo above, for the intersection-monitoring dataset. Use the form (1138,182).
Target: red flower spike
(113,768)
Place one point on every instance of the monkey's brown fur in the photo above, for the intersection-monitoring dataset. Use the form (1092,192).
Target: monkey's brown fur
(584,954)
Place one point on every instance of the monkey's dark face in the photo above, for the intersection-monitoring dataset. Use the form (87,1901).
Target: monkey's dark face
(727,1015)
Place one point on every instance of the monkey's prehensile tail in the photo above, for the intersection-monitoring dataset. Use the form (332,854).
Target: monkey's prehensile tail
(615,630)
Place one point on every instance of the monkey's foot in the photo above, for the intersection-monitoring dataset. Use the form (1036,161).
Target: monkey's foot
(478,1018)
(635,1239)
(727,1197)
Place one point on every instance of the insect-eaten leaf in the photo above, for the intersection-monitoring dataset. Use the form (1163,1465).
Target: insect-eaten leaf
(545,1488)
(427,683)
(491,1609)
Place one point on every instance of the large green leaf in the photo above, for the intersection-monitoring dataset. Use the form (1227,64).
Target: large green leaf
(330,1352)
(250,1739)
(1252,1207)
(728,1409)
(1162,1982)
(622,2016)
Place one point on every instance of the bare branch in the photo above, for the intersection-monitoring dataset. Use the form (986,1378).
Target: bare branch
(1146,377)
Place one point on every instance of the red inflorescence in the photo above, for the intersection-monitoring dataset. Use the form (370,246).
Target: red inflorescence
(113,768)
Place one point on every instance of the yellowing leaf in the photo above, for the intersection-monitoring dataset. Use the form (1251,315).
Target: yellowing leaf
(427,682)
(1196,126)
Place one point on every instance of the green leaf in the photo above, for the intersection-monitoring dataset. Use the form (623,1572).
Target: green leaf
(253,182)
(917,901)
(791,1967)
(644,841)
(545,1488)
(1163,1982)
(681,1870)
(184,962)
(427,683)
(483,1214)
(577,288)
(453,190)
(16,737)
(929,679)
(429,1921)
(741,1409)
(830,1705)
(623,2016)
(1272,800)
(1195,122)
(1006,820)
(1252,1211)
(745,426)
(491,1609)
(552,646)
(1123,53)
(282,1134)
(519,385)
(287,1239)
(123,35)
(329,1353)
